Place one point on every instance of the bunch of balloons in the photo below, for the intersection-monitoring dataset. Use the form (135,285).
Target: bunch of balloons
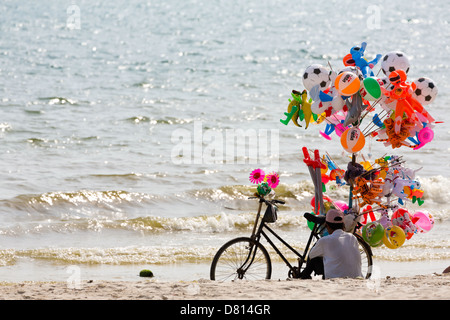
(343,99)
(394,230)
(396,182)
(375,187)
(395,108)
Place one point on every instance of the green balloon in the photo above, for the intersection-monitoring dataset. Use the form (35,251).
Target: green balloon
(372,89)
(373,233)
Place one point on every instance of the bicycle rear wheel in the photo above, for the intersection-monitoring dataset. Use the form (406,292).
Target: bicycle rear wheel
(366,257)
(241,258)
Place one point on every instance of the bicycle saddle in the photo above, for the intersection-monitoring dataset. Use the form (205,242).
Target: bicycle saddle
(313,218)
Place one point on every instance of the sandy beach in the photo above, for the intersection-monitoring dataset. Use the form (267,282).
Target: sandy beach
(420,287)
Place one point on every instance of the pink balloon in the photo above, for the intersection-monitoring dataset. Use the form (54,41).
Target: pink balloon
(423,220)
(341,205)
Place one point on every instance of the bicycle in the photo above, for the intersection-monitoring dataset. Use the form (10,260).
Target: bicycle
(247,258)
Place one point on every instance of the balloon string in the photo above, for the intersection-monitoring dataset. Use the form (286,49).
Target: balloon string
(334,162)
(367,131)
(370,108)
(330,65)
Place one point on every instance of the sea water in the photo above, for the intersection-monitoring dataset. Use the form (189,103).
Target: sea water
(114,118)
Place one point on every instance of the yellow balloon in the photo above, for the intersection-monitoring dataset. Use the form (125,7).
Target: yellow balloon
(394,237)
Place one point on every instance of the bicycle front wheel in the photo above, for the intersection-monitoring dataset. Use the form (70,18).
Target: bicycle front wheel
(241,258)
(366,257)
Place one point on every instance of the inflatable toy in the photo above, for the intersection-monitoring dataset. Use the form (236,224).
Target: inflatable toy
(423,220)
(347,83)
(370,89)
(394,60)
(352,140)
(373,233)
(425,90)
(402,218)
(394,237)
(316,75)
(424,136)
(405,103)
(357,59)
(396,114)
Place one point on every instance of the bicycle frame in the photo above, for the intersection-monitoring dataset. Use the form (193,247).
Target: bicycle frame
(301,257)
(260,230)
(256,236)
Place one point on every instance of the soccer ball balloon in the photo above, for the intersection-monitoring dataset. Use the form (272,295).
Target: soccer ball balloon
(426,90)
(316,74)
(394,60)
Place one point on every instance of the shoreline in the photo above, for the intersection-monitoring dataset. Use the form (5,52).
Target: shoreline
(421,287)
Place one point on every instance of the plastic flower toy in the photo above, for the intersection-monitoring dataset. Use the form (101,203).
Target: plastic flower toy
(257,176)
(272,180)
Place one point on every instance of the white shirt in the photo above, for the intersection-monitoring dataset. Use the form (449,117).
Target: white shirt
(341,256)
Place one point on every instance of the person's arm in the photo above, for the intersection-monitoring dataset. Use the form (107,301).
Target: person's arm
(316,250)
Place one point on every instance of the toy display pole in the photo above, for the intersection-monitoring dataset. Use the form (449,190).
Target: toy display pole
(319,182)
(309,164)
(314,167)
(350,196)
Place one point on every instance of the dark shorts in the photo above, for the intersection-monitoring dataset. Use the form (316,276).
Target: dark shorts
(313,265)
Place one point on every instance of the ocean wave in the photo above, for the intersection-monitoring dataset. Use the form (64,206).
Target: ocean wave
(415,250)
(149,225)
(435,190)
(167,120)
(194,208)
(59,101)
(225,197)
(110,256)
(48,200)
